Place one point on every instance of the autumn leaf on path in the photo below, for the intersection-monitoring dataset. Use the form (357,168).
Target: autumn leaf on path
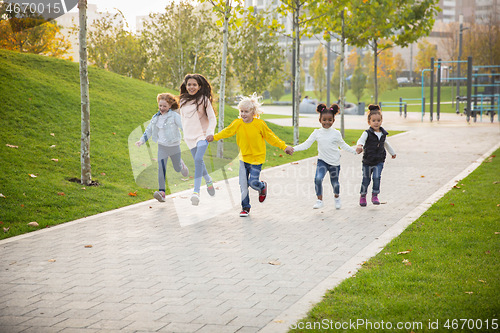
(11,146)
(274,263)
(295,163)
(88,246)
(133,194)
(51,260)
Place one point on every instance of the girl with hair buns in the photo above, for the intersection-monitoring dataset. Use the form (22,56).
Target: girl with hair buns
(251,136)
(198,120)
(329,139)
(373,142)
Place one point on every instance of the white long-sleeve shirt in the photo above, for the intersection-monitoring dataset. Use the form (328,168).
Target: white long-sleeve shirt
(329,140)
(364,136)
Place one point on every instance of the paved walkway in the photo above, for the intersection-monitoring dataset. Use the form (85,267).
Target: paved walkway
(172,267)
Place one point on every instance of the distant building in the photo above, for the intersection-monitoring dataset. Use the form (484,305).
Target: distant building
(71,19)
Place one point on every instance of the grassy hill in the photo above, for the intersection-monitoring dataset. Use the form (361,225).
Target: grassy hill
(40,116)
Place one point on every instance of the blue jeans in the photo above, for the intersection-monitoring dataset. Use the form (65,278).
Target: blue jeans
(321,168)
(249,176)
(164,153)
(199,165)
(368,172)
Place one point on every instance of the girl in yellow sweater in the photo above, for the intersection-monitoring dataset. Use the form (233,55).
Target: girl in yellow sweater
(251,134)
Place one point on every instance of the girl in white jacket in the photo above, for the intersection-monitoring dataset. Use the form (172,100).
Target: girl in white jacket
(329,139)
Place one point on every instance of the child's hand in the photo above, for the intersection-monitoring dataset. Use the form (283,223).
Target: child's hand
(139,143)
(394,156)
(289,150)
(210,138)
(359,149)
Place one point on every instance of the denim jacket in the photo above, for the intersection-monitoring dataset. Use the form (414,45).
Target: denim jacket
(171,127)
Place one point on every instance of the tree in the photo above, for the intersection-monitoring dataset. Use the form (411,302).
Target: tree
(482,41)
(425,52)
(86,175)
(32,34)
(317,71)
(256,57)
(176,47)
(116,49)
(335,81)
(358,81)
(276,90)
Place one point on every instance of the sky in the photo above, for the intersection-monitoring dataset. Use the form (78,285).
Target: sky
(129,8)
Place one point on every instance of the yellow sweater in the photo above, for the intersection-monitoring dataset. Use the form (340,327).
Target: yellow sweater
(250,139)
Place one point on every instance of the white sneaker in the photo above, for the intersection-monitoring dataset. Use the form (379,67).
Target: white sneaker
(338,204)
(319,204)
(184,170)
(195,199)
(160,196)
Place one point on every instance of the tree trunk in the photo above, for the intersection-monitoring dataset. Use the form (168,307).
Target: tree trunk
(86,177)
(220,143)
(296,100)
(342,66)
(375,69)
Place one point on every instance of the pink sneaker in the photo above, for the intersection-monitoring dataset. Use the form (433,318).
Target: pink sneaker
(375,199)
(362,201)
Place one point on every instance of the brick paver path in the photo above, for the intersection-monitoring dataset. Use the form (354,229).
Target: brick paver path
(172,267)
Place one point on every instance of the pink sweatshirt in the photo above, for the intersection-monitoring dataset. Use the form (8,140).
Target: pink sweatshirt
(197,125)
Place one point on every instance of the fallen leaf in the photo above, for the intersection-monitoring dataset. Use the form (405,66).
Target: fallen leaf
(387,253)
(408,263)
(487,252)
(496,182)
(274,154)
(281,155)
(405,261)
(133,194)
(22,205)
(452,204)
(60,193)
(469,292)
(88,246)
(32,175)
(83,188)
(295,162)
(152,207)
(52,134)
(349,272)
(51,260)
(404,252)
(275,263)
(55,160)
(2,196)
(154,159)
(103,174)
(185,179)
(422,176)
(6,229)
(53,146)
(456,186)
(482,281)
(114,133)
(279,321)
(383,202)
(144,165)
(33,224)
(229,169)
(497,233)
(11,146)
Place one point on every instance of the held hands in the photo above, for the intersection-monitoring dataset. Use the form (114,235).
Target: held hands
(359,149)
(394,156)
(210,138)
(139,143)
(289,150)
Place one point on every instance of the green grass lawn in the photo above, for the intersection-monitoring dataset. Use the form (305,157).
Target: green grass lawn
(450,273)
(40,117)
(395,94)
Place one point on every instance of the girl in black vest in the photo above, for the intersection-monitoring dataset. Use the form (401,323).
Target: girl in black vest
(373,142)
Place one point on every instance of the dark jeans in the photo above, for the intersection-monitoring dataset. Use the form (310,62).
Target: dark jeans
(368,172)
(321,169)
(249,176)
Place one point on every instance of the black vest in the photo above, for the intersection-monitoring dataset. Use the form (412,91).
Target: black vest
(374,149)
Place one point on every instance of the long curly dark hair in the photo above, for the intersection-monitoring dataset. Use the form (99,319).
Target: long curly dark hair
(205,91)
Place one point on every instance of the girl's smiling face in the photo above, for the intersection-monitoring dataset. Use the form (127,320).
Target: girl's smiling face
(326,120)
(192,86)
(246,115)
(164,106)
(375,122)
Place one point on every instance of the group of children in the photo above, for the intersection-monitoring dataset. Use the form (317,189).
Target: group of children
(196,118)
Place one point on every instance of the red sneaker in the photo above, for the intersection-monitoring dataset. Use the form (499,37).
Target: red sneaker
(245,212)
(263,193)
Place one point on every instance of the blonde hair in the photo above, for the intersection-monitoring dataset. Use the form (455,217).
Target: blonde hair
(170,99)
(252,104)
